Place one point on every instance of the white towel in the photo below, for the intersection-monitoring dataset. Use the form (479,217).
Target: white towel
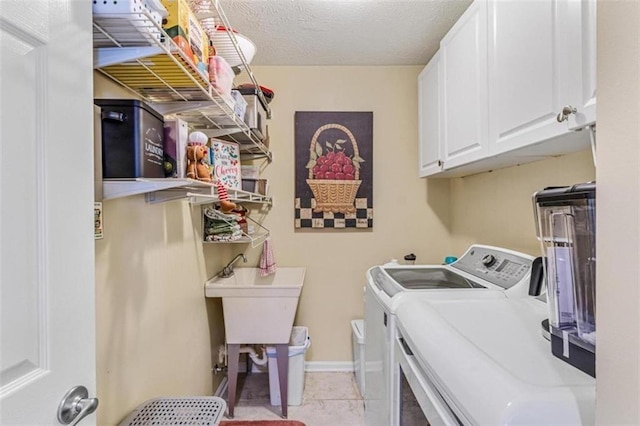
(267,261)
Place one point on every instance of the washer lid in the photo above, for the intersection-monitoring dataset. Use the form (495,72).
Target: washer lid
(490,361)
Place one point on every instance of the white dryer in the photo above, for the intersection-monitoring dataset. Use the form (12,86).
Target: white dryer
(485,362)
(482,272)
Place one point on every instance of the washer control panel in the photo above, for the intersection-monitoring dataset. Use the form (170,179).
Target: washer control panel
(502,268)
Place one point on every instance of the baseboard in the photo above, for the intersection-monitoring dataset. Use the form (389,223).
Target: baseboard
(311,366)
(328,366)
(308,366)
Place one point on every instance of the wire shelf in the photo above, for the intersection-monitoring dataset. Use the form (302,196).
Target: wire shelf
(135,52)
(255,238)
(167,189)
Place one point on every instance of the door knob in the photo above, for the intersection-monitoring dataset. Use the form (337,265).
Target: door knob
(75,406)
(567,110)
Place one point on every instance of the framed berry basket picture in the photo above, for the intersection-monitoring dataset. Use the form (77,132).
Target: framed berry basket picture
(334,169)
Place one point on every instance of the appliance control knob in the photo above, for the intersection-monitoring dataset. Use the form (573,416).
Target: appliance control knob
(488,260)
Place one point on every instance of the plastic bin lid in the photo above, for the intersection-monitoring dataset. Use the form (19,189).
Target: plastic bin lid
(298,343)
(127,103)
(298,336)
(358,330)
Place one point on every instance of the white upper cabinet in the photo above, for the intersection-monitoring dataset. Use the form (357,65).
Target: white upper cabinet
(463,88)
(540,57)
(528,73)
(429,119)
(517,79)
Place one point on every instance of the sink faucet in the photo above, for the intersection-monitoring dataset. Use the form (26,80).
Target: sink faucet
(227,271)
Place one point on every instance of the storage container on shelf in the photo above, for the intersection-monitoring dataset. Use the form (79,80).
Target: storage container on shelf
(132,139)
(299,343)
(240,104)
(250,171)
(135,11)
(258,186)
(220,74)
(256,112)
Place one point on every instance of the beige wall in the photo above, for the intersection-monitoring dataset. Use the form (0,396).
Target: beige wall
(154,328)
(156,333)
(410,214)
(618,245)
(495,208)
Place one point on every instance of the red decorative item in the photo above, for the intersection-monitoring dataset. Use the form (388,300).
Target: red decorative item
(222,192)
(225,205)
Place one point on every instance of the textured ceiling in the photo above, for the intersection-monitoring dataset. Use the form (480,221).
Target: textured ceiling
(343,32)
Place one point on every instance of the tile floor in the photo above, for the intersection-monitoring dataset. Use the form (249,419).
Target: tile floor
(329,399)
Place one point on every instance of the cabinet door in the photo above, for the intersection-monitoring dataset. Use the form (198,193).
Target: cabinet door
(542,57)
(583,25)
(529,79)
(463,56)
(429,119)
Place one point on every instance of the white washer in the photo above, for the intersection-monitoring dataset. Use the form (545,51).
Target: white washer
(482,272)
(485,361)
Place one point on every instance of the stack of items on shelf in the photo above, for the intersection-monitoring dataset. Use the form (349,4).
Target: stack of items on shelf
(145,16)
(203,8)
(186,32)
(229,223)
(219,226)
(222,55)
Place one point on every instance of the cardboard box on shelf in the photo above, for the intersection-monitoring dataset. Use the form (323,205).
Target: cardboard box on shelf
(185,30)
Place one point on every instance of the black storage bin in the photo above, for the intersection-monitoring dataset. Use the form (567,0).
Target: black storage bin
(132,139)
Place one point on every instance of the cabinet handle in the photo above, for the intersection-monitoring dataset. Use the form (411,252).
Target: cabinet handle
(567,110)
(440,163)
(114,116)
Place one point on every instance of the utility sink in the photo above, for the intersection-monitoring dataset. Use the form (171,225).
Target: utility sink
(258,310)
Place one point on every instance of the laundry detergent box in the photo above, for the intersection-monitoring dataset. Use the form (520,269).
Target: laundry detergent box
(185,30)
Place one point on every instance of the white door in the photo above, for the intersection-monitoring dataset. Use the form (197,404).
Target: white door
(47,328)
(464,104)
(429,119)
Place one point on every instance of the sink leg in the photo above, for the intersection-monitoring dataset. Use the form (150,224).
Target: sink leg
(282,356)
(233,353)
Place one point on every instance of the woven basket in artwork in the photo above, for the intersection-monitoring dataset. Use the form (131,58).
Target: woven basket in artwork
(333,195)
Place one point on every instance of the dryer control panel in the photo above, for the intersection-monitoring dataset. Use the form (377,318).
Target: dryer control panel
(498,266)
